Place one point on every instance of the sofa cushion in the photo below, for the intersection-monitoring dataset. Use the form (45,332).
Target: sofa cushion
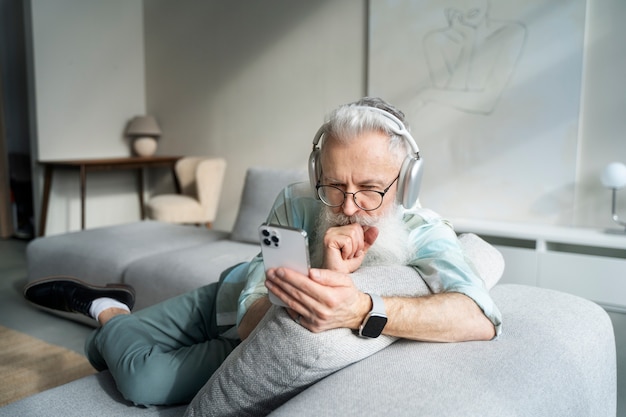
(261,187)
(92,396)
(156,278)
(101,255)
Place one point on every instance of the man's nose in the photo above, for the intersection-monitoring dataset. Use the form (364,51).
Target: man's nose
(349,207)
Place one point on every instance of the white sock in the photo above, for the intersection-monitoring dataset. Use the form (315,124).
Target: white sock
(100,304)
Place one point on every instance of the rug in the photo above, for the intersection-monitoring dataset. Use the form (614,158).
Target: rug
(29,365)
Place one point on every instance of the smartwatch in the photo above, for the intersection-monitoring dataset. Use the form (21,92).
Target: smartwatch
(375,320)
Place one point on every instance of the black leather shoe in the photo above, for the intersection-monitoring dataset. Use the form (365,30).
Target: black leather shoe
(73,295)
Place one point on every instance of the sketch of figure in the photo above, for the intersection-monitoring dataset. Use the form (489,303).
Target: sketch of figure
(471,60)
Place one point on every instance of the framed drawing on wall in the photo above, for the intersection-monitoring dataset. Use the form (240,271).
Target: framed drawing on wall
(491,91)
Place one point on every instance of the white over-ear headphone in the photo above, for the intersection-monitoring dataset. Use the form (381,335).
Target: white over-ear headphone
(411,172)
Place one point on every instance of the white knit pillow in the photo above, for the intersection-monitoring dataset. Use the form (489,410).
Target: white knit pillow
(281,358)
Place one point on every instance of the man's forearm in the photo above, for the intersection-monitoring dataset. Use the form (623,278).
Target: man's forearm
(253,316)
(445,317)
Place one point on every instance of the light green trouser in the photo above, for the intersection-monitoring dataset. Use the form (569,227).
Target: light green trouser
(165,353)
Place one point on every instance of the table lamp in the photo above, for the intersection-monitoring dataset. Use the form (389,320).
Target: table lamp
(614,177)
(144,132)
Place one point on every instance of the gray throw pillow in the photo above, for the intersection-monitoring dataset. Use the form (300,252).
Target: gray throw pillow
(261,187)
(281,358)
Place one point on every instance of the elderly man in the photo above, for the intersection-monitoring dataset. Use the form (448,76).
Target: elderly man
(359,209)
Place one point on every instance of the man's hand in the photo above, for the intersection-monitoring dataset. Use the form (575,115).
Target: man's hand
(345,246)
(323,300)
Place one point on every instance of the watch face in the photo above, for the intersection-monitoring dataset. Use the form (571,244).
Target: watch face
(374,326)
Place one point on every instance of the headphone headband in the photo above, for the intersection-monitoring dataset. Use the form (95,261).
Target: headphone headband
(397,128)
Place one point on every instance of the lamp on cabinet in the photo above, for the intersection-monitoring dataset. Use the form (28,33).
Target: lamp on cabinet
(144,132)
(614,178)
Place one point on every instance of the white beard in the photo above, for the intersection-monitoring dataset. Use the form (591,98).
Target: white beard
(390,248)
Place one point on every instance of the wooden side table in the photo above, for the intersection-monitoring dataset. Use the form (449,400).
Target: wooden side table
(109,164)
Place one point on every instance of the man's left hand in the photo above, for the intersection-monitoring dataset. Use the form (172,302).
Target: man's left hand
(345,246)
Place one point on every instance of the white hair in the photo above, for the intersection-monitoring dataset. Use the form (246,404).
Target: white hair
(349,121)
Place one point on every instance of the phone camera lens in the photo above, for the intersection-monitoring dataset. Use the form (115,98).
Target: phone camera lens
(265,232)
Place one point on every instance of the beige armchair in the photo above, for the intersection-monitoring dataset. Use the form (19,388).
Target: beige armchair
(200,180)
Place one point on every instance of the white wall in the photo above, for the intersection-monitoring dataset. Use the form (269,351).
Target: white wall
(603,112)
(250,81)
(88,82)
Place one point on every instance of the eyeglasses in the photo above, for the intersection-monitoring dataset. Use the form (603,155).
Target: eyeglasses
(366,200)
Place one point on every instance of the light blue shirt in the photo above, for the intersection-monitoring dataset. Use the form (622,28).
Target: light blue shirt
(439,258)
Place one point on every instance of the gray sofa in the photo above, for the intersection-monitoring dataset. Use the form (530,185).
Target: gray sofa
(556,356)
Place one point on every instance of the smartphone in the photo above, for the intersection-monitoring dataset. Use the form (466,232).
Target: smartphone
(286,247)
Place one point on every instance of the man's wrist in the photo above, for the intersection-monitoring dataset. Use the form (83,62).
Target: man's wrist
(365,306)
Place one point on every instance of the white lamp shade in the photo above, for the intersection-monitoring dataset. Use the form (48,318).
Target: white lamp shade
(144,126)
(614,175)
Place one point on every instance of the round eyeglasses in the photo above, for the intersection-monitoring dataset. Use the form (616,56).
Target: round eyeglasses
(366,200)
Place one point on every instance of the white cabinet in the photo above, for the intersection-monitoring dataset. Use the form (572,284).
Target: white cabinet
(586,262)
(598,278)
(520,265)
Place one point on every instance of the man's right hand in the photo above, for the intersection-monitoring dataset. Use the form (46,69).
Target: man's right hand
(345,246)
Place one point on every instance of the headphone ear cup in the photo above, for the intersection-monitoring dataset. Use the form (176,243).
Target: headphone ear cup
(410,181)
(315,168)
